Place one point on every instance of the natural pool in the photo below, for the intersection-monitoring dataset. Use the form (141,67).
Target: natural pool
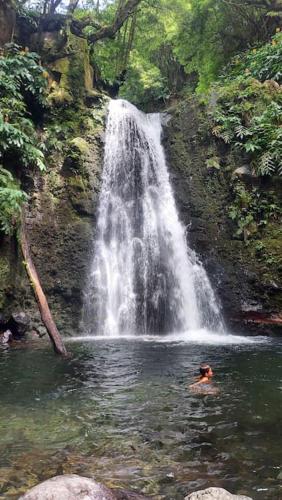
(119,410)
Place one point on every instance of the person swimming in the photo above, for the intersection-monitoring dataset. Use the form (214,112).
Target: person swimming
(204,382)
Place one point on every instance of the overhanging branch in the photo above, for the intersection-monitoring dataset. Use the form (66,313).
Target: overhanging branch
(123,13)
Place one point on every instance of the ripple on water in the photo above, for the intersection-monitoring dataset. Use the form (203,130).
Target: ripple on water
(120,410)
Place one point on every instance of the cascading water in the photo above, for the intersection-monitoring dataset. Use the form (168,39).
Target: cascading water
(144,279)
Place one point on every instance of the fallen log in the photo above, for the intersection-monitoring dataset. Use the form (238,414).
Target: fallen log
(43,306)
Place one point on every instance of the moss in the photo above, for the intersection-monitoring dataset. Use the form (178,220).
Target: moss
(80,144)
(4,278)
(77,183)
(54,180)
(59,96)
(76,73)
(201,168)
(80,73)
(74,162)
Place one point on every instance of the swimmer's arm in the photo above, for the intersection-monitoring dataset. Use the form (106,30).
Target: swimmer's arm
(203,380)
(196,383)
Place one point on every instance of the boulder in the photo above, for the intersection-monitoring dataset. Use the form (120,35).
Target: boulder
(74,487)
(243,172)
(19,324)
(215,494)
(6,337)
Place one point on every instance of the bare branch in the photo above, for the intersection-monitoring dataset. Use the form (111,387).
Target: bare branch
(54,5)
(123,13)
(72,6)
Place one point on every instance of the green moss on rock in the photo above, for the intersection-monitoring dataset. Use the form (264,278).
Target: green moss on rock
(241,277)
(80,144)
(73,72)
(4,279)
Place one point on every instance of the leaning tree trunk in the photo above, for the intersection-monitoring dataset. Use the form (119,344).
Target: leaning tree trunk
(40,296)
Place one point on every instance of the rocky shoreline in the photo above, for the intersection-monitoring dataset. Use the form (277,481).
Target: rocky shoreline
(74,487)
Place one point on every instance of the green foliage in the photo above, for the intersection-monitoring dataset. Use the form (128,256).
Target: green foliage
(22,80)
(145,83)
(210,32)
(11,200)
(143,48)
(22,87)
(248,113)
(21,74)
(249,116)
(186,43)
(172,46)
(263,63)
(251,210)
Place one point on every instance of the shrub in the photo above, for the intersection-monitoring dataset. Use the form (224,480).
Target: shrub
(22,88)
(11,200)
(248,113)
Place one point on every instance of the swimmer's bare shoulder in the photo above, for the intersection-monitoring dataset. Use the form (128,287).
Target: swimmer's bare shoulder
(204,383)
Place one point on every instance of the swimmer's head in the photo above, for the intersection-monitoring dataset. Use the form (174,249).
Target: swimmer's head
(205,370)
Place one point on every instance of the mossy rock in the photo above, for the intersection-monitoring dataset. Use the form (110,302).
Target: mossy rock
(80,144)
(59,97)
(73,72)
(76,154)
(77,183)
(80,195)
(4,279)
(244,274)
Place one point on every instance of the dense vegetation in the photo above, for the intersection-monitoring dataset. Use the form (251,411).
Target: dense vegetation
(248,111)
(227,52)
(22,91)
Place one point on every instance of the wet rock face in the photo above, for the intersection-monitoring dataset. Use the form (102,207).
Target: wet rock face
(15,327)
(61,222)
(215,494)
(74,487)
(201,170)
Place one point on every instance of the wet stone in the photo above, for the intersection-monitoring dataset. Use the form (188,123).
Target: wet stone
(74,487)
(215,494)
(18,324)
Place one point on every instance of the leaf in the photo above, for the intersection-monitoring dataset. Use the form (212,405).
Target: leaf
(251,147)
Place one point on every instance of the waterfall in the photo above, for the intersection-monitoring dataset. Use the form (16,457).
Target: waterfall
(144,279)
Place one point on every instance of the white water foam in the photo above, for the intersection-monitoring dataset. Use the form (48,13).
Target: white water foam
(203,337)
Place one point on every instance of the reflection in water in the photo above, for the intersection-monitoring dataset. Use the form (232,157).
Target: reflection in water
(121,411)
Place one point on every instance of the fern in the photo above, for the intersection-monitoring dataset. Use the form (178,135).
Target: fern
(11,201)
(266,165)
(241,131)
(21,80)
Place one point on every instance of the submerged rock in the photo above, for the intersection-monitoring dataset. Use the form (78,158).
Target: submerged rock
(215,494)
(74,487)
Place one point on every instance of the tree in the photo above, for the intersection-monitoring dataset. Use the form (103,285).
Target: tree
(44,309)
(124,9)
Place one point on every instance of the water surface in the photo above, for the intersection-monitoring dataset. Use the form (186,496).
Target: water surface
(119,410)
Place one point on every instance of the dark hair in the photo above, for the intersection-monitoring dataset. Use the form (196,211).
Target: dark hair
(204,368)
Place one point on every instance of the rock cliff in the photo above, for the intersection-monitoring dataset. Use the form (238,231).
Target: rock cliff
(248,286)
